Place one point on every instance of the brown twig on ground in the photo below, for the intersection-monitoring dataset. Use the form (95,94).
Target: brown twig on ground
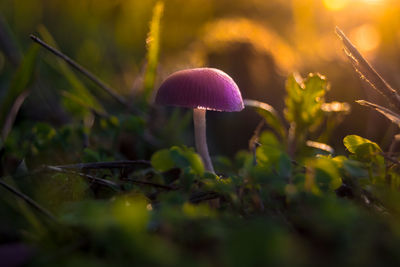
(166,187)
(92,178)
(27,200)
(106,165)
(367,72)
(81,69)
(203,196)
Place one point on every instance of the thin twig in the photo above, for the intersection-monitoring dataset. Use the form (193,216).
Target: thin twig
(392,116)
(106,165)
(367,72)
(203,196)
(167,187)
(84,175)
(81,69)
(27,200)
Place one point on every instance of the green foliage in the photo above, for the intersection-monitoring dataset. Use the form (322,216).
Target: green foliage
(288,201)
(172,212)
(361,147)
(77,99)
(311,120)
(19,83)
(304,99)
(322,175)
(177,157)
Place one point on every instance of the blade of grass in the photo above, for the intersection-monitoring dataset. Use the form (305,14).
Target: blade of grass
(270,115)
(9,121)
(77,88)
(394,117)
(27,199)
(84,103)
(82,70)
(367,72)
(19,83)
(153,48)
(320,146)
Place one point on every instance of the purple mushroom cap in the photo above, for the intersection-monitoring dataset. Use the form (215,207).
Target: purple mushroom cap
(206,88)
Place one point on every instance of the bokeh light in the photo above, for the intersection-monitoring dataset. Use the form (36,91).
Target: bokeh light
(335,4)
(365,37)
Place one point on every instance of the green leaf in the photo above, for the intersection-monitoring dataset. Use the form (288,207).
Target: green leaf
(355,168)
(363,145)
(178,157)
(284,166)
(220,185)
(304,99)
(270,151)
(195,161)
(183,158)
(323,174)
(20,82)
(162,160)
(43,133)
(153,47)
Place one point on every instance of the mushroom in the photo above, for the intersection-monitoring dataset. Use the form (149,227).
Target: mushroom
(201,89)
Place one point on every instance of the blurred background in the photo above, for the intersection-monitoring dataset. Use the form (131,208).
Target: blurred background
(259,43)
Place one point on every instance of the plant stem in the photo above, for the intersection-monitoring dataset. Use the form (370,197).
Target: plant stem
(367,72)
(104,182)
(199,119)
(27,200)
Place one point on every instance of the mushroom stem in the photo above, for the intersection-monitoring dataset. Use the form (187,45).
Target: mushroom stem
(199,119)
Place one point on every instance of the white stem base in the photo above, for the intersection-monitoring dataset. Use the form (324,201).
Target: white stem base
(199,119)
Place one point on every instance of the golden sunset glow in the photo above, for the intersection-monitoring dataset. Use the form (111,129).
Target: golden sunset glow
(365,37)
(335,4)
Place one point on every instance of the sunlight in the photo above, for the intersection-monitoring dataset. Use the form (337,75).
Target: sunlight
(373,1)
(222,32)
(366,37)
(335,5)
